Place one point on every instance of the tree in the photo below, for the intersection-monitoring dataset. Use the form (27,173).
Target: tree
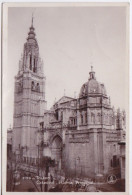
(46,162)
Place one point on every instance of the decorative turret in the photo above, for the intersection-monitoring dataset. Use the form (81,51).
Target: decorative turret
(124,119)
(119,120)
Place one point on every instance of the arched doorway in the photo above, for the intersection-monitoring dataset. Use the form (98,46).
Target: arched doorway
(57,150)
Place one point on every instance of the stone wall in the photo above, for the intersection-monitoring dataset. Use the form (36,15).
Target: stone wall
(91,152)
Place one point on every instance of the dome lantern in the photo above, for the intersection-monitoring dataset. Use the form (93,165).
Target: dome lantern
(92,74)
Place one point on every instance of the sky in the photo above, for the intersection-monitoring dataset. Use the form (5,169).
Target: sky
(70,40)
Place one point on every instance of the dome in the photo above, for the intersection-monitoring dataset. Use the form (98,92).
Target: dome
(92,86)
(84,91)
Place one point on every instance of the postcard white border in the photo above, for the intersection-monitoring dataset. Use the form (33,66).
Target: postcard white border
(4,61)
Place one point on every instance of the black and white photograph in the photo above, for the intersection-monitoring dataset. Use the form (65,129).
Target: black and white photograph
(65,97)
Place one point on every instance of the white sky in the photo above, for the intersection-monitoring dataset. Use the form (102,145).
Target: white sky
(70,39)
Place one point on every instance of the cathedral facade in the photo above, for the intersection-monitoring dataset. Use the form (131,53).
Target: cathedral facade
(80,134)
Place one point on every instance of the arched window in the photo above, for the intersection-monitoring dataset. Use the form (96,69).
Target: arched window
(81,119)
(56,115)
(34,65)
(62,115)
(74,121)
(86,117)
(32,85)
(38,87)
(30,62)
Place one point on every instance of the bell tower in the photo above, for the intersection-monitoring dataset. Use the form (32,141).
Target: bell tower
(29,99)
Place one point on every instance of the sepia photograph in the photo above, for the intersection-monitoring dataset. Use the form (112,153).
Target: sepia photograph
(65,97)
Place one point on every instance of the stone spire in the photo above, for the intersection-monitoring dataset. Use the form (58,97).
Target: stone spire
(31,58)
(32,19)
(31,34)
(119,119)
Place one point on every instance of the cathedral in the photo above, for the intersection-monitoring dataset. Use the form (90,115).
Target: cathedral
(81,134)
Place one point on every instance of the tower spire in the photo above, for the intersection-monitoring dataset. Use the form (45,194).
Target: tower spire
(32,19)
